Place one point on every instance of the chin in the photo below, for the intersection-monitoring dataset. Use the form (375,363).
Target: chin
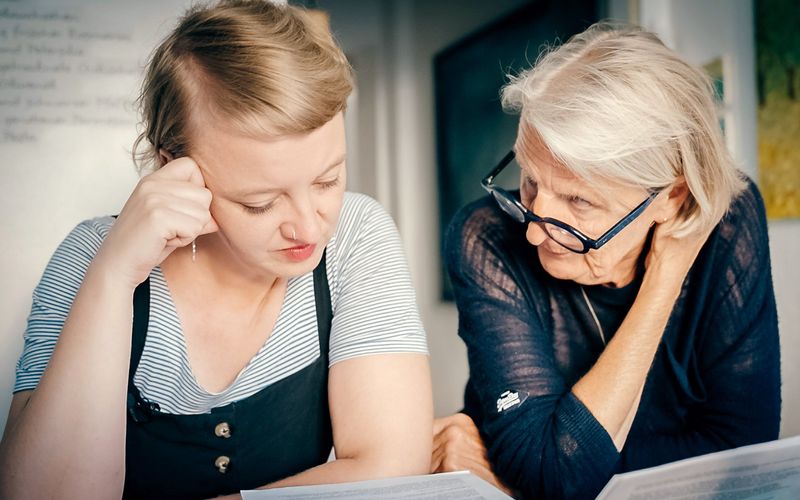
(559,267)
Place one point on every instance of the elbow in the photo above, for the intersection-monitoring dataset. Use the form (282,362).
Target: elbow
(399,461)
(416,461)
(546,464)
(393,463)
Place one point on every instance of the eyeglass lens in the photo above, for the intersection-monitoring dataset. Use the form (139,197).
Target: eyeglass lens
(560,235)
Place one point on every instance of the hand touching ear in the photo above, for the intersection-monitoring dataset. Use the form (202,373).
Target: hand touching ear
(168,209)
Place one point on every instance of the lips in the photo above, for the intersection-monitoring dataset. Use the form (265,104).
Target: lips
(299,253)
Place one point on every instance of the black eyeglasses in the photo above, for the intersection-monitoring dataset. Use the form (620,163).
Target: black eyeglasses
(560,232)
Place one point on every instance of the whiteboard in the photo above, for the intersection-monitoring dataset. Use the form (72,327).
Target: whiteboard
(69,73)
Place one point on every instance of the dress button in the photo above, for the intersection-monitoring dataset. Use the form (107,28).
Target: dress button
(222,430)
(222,462)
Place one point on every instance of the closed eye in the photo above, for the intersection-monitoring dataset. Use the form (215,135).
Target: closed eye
(259,210)
(580,202)
(328,184)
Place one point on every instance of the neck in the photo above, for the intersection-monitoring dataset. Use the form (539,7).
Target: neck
(626,270)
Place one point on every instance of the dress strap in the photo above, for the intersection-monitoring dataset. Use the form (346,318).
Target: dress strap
(322,299)
(139,408)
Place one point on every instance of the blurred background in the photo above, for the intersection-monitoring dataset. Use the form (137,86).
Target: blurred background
(423,125)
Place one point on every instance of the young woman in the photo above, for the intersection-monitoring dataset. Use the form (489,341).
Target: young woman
(242,314)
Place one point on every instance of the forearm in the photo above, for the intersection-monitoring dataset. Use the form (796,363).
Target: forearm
(622,434)
(345,470)
(611,389)
(69,439)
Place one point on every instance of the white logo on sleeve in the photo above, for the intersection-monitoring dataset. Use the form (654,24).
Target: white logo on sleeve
(510,399)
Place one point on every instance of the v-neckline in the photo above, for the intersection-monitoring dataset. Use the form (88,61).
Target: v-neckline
(278,330)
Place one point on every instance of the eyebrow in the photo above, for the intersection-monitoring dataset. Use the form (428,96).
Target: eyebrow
(331,166)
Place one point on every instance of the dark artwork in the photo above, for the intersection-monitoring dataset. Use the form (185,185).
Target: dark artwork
(473,132)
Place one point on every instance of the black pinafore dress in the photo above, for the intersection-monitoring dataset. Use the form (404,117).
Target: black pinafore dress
(280,431)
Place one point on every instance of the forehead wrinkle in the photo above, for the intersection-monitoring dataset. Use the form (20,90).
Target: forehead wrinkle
(530,165)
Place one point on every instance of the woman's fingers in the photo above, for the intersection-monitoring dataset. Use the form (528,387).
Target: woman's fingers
(210,227)
(457,443)
(181,169)
(168,209)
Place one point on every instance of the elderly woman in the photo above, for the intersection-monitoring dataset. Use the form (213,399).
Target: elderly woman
(243,313)
(618,310)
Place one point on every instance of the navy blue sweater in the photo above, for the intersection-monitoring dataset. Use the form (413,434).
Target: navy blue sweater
(714,383)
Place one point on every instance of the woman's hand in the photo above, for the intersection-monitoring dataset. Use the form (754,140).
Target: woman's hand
(675,255)
(457,445)
(168,209)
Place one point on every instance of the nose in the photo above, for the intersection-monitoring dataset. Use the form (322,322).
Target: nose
(304,222)
(534,233)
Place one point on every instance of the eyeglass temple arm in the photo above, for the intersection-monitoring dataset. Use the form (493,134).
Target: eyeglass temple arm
(619,226)
(500,166)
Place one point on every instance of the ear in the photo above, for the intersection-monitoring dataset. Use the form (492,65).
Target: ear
(676,195)
(164,157)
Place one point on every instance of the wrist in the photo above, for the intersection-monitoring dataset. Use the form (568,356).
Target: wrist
(104,273)
(663,279)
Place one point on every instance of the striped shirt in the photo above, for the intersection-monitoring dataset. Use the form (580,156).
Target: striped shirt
(372,298)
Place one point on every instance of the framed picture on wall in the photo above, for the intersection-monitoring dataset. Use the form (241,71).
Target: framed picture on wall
(472,131)
(778,78)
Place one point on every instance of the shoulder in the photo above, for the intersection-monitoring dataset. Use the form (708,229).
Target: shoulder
(481,235)
(480,221)
(746,217)
(89,234)
(358,209)
(486,252)
(363,224)
(67,267)
(84,240)
(741,241)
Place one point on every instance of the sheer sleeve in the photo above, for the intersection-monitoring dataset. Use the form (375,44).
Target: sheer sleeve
(736,347)
(541,440)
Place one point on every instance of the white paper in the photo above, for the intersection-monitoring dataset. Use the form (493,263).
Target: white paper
(757,472)
(450,485)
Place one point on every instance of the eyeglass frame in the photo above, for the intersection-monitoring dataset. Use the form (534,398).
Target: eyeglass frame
(529,216)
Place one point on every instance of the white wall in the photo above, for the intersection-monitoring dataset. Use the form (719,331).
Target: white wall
(55,175)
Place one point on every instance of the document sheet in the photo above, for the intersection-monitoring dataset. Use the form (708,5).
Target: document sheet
(451,485)
(757,472)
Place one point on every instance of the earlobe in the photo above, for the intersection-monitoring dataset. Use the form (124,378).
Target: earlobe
(676,197)
(164,156)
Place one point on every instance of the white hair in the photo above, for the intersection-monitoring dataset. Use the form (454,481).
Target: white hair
(614,102)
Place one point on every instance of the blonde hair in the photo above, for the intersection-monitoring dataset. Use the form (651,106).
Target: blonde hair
(258,67)
(615,103)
